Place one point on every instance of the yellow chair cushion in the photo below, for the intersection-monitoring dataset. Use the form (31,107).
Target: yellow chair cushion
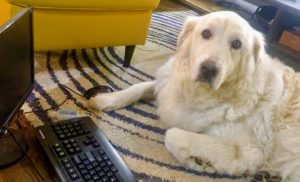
(68,24)
(5,11)
(91,4)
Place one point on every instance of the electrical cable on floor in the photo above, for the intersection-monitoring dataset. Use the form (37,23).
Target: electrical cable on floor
(26,155)
(51,108)
(71,90)
(55,107)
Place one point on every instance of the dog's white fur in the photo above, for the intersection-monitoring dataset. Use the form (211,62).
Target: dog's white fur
(246,119)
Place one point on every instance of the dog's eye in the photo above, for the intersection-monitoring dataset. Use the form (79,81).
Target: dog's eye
(236,44)
(206,34)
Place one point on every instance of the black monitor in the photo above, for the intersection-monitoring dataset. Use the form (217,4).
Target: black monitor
(16,65)
(16,82)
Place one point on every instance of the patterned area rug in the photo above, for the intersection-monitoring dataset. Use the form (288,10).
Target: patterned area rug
(134,131)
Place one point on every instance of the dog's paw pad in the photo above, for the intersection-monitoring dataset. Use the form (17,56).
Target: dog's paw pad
(202,162)
(264,176)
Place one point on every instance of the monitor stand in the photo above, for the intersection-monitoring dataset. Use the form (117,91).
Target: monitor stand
(10,151)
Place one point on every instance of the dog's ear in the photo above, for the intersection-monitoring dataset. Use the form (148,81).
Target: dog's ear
(187,28)
(258,45)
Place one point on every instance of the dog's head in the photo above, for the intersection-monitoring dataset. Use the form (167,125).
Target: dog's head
(219,47)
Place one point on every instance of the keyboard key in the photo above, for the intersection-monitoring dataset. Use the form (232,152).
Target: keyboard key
(92,172)
(71,170)
(65,142)
(77,149)
(71,151)
(105,157)
(81,166)
(68,165)
(61,154)
(109,174)
(96,177)
(95,164)
(59,149)
(65,161)
(76,160)
(86,142)
(74,145)
(89,167)
(72,140)
(113,169)
(106,169)
(109,163)
(102,164)
(96,145)
(98,169)
(87,176)
(83,171)
(113,179)
(90,156)
(68,146)
(101,152)
(61,136)
(70,125)
(104,179)
(68,135)
(97,156)
(56,145)
(101,173)
(86,162)
(82,157)
(74,176)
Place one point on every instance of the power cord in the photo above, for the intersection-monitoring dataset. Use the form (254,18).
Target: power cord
(25,153)
(37,102)
(68,88)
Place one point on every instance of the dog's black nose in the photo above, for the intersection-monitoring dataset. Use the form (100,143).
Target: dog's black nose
(209,70)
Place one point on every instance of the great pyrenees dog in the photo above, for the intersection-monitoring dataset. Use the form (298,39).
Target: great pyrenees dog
(226,103)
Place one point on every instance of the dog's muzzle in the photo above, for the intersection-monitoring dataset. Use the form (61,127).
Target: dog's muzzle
(208,71)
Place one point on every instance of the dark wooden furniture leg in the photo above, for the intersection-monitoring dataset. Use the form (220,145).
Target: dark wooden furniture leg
(129,50)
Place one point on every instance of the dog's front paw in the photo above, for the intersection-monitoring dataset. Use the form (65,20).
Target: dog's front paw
(177,144)
(104,102)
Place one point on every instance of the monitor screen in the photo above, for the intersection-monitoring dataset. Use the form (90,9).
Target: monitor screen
(16,64)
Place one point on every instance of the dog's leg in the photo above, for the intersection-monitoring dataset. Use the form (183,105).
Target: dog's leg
(199,151)
(117,100)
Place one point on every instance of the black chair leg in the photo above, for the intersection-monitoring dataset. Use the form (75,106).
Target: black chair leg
(129,50)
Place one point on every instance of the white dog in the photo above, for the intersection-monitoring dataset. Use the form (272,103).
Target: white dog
(227,103)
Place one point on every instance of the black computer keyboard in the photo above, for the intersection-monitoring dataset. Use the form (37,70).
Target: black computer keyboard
(79,151)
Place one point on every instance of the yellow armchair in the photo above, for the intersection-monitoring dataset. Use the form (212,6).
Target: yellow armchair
(72,24)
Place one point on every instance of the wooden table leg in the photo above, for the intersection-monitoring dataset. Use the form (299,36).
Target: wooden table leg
(129,50)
